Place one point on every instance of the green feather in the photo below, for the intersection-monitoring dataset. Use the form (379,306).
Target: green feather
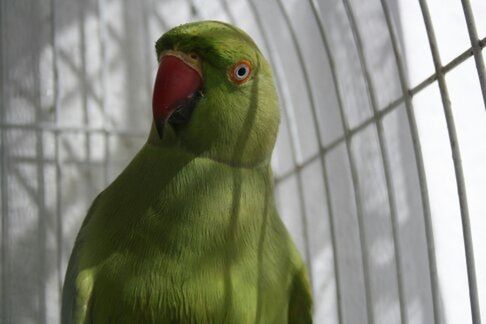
(189,232)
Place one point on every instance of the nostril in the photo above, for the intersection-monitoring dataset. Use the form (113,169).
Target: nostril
(194,56)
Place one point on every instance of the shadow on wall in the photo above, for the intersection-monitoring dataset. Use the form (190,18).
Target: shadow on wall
(56,156)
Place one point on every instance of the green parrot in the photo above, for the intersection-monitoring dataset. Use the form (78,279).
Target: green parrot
(189,231)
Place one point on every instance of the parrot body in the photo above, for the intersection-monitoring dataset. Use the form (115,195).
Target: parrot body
(189,232)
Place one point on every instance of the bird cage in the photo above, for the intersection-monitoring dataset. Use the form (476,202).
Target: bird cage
(379,165)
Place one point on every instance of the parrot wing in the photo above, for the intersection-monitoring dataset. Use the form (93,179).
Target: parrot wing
(69,290)
(300,307)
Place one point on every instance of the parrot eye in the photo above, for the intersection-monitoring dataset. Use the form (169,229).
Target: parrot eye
(240,72)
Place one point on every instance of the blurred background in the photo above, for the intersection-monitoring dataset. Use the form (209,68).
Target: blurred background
(380,163)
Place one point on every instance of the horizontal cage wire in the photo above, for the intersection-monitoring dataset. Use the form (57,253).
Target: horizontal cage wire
(109,143)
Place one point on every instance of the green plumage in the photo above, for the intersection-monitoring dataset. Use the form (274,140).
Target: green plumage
(189,232)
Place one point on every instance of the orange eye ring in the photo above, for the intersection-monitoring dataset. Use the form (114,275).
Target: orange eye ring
(240,72)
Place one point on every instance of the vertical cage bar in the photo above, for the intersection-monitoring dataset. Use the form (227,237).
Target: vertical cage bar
(429,235)
(104,64)
(327,190)
(384,155)
(314,7)
(59,220)
(39,152)
(85,93)
(299,176)
(456,157)
(4,304)
(476,46)
(347,136)
(350,159)
(294,143)
(148,48)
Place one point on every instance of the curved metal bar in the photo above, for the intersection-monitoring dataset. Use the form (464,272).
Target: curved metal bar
(59,219)
(456,157)
(148,48)
(104,64)
(384,156)
(351,161)
(5,300)
(40,180)
(429,234)
(294,143)
(476,46)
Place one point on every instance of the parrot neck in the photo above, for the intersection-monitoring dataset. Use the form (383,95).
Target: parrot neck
(171,141)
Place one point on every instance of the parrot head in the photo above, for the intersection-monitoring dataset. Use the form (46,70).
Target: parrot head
(214,94)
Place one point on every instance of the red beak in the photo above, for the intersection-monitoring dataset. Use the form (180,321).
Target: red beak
(176,83)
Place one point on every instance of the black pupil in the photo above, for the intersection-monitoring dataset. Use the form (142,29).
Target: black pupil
(241,71)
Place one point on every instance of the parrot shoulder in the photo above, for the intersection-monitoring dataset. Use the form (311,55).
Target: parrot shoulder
(77,285)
